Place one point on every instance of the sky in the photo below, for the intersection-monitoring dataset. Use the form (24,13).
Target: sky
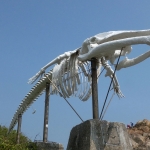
(32,33)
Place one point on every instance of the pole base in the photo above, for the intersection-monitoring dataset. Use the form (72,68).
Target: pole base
(99,135)
(48,146)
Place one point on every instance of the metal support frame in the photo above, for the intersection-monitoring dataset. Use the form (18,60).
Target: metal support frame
(19,128)
(46,113)
(94,89)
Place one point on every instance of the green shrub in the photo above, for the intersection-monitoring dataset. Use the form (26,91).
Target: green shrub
(8,141)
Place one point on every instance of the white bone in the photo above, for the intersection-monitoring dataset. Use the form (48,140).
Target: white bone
(108,48)
(130,62)
(54,61)
(75,74)
(110,73)
(60,80)
(111,36)
(116,35)
(68,76)
(72,74)
(106,45)
(84,80)
(64,69)
(76,71)
(65,82)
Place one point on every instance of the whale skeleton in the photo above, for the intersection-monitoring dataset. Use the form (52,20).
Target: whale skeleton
(71,73)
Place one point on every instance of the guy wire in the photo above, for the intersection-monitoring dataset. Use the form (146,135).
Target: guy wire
(65,99)
(110,84)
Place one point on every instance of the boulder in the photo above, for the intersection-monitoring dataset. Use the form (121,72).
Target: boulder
(140,135)
(139,139)
(148,145)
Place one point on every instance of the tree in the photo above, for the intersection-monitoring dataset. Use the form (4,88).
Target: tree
(8,141)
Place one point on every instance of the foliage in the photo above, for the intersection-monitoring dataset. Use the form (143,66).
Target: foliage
(8,141)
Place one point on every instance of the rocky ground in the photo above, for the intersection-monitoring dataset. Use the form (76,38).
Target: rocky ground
(140,135)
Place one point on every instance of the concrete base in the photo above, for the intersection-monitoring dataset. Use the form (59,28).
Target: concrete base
(99,135)
(48,146)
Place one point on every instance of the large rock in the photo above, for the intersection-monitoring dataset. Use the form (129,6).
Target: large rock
(139,139)
(99,135)
(140,135)
(144,122)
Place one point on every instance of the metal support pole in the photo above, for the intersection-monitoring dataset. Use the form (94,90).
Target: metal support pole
(46,113)
(19,128)
(94,89)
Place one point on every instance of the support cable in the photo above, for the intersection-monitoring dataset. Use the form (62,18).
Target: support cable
(110,84)
(102,71)
(107,106)
(65,99)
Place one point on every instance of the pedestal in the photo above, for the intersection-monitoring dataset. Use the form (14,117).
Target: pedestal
(48,146)
(99,135)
